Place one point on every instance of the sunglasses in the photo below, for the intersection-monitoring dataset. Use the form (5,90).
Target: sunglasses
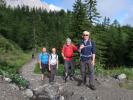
(85,35)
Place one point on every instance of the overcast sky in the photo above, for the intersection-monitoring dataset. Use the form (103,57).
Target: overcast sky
(122,10)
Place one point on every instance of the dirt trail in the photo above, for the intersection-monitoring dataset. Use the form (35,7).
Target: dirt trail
(107,88)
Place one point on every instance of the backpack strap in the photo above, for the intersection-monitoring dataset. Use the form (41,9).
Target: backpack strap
(52,57)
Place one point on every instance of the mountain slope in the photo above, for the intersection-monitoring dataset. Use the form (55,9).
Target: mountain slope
(30,3)
(11,56)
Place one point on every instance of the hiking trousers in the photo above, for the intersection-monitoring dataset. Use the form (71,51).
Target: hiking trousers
(69,67)
(83,65)
(53,72)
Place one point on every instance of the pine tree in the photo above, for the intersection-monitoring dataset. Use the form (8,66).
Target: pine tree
(130,47)
(127,31)
(106,22)
(101,47)
(79,19)
(116,24)
(92,12)
(2,2)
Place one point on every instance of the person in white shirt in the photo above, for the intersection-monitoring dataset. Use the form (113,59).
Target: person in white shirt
(53,64)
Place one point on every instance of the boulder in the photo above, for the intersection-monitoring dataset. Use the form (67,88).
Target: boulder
(14,86)
(7,79)
(47,92)
(28,93)
(62,98)
(121,76)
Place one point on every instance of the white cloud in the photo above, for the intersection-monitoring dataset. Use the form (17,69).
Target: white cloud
(54,8)
(117,9)
(110,8)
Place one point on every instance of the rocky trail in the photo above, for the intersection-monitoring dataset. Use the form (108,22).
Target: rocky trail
(107,88)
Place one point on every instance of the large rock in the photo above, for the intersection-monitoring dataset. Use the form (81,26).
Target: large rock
(62,98)
(55,92)
(7,79)
(28,93)
(14,86)
(47,92)
(122,76)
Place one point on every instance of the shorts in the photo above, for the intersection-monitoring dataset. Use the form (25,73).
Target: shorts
(44,68)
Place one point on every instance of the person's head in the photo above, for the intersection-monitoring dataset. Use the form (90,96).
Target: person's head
(43,49)
(53,50)
(86,35)
(68,41)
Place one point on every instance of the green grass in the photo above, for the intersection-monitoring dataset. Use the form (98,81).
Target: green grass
(99,70)
(37,69)
(11,56)
(9,66)
(11,60)
(126,84)
(60,70)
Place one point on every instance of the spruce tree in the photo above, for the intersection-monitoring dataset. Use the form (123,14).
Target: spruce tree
(92,12)
(106,22)
(79,19)
(2,2)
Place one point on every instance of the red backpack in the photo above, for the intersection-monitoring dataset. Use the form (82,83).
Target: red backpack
(68,51)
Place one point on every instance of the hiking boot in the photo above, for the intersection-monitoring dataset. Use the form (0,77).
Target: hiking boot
(84,83)
(65,78)
(71,78)
(92,87)
(79,83)
(52,83)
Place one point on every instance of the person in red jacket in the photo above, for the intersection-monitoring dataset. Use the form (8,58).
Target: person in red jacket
(67,54)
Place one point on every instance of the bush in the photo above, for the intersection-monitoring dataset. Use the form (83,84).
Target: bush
(17,79)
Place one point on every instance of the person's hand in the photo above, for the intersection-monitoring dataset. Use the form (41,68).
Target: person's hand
(64,58)
(57,67)
(81,46)
(40,67)
(49,69)
(93,62)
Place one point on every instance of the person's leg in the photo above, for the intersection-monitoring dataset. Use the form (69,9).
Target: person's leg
(66,67)
(47,69)
(91,75)
(83,71)
(51,73)
(42,70)
(54,71)
(72,68)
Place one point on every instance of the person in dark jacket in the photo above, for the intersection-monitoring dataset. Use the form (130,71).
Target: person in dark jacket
(87,57)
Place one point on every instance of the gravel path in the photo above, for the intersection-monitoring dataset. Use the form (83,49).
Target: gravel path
(107,88)
(10,92)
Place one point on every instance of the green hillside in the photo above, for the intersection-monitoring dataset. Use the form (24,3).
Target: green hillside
(12,57)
